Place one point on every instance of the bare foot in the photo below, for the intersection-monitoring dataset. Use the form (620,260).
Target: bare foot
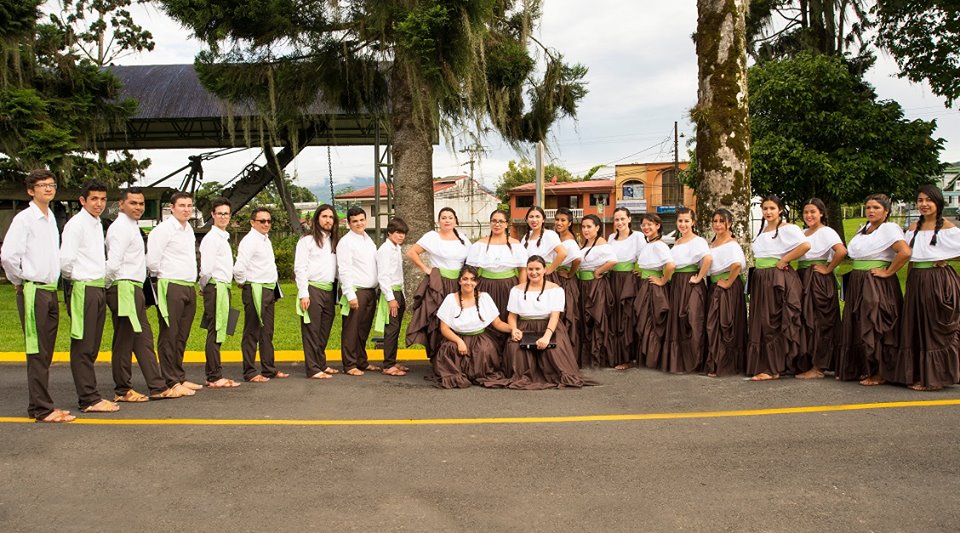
(103,406)
(191,385)
(922,388)
(622,366)
(330,370)
(131,396)
(354,372)
(763,376)
(57,417)
(872,381)
(321,375)
(259,379)
(372,368)
(168,394)
(183,391)
(404,368)
(222,383)
(281,375)
(711,374)
(394,371)
(813,373)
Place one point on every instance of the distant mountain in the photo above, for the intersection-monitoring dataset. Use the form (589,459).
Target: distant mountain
(323,190)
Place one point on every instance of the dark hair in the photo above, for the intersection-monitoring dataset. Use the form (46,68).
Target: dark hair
(397,225)
(253,213)
(219,202)
(455,219)
(130,190)
(655,218)
(780,217)
(92,186)
(693,216)
(629,229)
(936,196)
(317,232)
(490,238)
(476,295)
(37,175)
(596,222)
(179,195)
(884,202)
(818,203)
(725,214)
(563,211)
(526,238)
(542,261)
(354,211)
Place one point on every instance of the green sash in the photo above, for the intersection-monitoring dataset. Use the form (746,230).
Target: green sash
(323,286)
(256,292)
(222,310)
(449,273)
(345,304)
(77,299)
(382,318)
(923,264)
(720,277)
(586,275)
(507,274)
(127,304)
(472,333)
(869,265)
(646,273)
(688,268)
(625,266)
(30,313)
(162,285)
(807,263)
(766,262)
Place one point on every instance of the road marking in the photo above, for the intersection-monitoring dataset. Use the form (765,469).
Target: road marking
(235,356)
(503,420)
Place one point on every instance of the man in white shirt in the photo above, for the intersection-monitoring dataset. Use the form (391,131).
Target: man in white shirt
(83,261)
(315,270)
(256,273)
(172,258)
(216,275)
(31,259)
(126,271)
(357,267)
(392,304)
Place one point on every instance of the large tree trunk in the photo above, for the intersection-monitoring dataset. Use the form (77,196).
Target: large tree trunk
(412,123)
(721,114)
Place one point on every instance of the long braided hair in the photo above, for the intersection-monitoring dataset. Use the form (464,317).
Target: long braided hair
(654,218)
(616,234)
(455,219)
(724,215)
(596,222)
(781,217)
(884,202)
(936,197)
(476,294)
(317,233)
(506,233)
(526,237)
(542,261)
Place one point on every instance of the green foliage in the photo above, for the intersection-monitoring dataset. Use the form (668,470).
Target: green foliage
(102,31)
(524,172)
(284,250)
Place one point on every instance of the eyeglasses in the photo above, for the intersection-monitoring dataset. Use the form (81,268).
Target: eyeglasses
(263,221)
(498,221)
(45,186)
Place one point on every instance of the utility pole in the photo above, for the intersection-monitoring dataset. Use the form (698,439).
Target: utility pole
(538,199)
(676,158)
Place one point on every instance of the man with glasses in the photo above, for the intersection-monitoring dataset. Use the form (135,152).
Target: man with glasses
(256,273)
(357,267)
(216,275)
(31,259)
(172,258)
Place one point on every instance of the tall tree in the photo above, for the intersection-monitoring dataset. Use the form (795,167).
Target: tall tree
(102,31)
(523,172)
(721,113)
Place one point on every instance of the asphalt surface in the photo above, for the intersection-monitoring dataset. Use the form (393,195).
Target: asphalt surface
(890,469)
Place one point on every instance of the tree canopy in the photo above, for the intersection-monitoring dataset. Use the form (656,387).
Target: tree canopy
(523,172)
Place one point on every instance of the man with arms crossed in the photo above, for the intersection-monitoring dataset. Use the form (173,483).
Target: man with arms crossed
(357,267)
(216,275)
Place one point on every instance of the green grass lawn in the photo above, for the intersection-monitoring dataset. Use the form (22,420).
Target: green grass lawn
(286,329)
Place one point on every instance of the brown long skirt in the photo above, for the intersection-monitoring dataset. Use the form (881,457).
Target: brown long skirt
(596,299)
(929,352)
(499,290)
(571,311)
(424,327)
(726,329)
(775,331)
(652,306)
(554,368)
(479,366)
(623,286)
(820,308)
(686,327)
(871,326)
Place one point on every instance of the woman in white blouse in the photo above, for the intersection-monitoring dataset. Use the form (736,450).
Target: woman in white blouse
(626,245)
(726,303)
(469,354)
(566,274)
(535,306)
(686,333)
(929,358)
(820,305)
(544,242)
(500,260)
(446,249)
(315,270)
(652,304)
(872,297)
(596,298)
(776,335)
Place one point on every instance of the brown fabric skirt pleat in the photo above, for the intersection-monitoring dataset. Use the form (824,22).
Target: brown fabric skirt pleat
(652,306)
(555,368)
(479,366)
(820,308)
(726,329)
(775,329)
(571,311)
(424,326)
(623,286)
(595,333)
(870,334)
(499,290)
(686,327)
(929,353)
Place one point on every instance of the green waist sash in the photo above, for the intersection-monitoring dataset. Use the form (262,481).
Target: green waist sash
(30,313)
(323,286)
(565,268)
(77,299)
(449,273)
(646,273)
(345,304)
(807,263)
(924,264)
(471,333)
(222,310)
(869,265)
(586,275)
(719,277)
(127,304)
(545,317)
(488,274)
(688,268)
(382,318)
(256,293)
(162,285)
(625,266)
(766,262)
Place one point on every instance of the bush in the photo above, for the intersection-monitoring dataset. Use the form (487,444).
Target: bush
(284,249)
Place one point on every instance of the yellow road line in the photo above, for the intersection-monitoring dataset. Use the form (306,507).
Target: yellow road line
(234,356)
(505,420)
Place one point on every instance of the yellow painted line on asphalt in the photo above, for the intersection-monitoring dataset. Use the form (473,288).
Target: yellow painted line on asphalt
(234,356)
(504,420)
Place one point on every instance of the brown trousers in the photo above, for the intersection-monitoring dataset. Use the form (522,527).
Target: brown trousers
(213,368)
(316,334)
(172,340)
(127,342)
(391,332)
(356,329)
(84,352)
(256,334)
(47,313)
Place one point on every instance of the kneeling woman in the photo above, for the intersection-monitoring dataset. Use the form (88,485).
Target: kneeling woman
(468,353)
(535,306)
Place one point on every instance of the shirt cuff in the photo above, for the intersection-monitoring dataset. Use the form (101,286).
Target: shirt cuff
(350,294)
(388,294)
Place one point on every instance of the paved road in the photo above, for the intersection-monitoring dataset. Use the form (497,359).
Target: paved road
(861,470)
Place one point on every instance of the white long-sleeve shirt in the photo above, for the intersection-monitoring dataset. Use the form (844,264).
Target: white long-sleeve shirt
(171,251)
(125,251)
(389,268)
(216,257)
(31,247)
(313,263)
(356,263)
(83,256)
(255,261)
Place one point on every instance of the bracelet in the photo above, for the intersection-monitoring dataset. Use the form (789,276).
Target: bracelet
(550,330)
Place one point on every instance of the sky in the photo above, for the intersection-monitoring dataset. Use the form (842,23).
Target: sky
(642,78)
